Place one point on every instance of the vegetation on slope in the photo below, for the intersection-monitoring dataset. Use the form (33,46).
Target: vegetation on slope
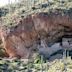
(62,65)
(12,13)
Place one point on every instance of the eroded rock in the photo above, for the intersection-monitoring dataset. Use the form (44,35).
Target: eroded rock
(20,40)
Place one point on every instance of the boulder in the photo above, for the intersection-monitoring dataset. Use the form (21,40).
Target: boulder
(48,51)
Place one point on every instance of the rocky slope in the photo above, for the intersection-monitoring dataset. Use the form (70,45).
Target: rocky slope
(23,27)
(20,40)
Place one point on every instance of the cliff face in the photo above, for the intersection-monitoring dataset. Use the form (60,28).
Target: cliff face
(21,40)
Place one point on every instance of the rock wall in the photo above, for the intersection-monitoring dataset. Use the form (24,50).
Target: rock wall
(21,40)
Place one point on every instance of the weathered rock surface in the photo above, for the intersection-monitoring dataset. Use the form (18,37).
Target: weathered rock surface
(19,41)
(48,51)
(67,43)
